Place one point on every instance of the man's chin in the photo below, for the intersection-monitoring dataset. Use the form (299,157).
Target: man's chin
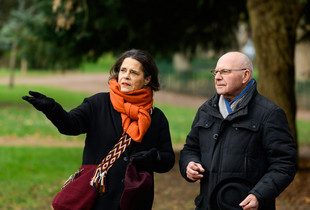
(220,91)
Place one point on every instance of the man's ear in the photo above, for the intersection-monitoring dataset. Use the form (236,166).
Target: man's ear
(246,76)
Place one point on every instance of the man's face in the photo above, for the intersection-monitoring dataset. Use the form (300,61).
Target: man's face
(231,84)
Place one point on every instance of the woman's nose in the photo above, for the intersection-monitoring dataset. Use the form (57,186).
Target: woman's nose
(126,74)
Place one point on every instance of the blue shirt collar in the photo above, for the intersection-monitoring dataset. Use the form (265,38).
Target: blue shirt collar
(240,95)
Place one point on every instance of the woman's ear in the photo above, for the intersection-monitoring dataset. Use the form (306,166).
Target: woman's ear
(147,80)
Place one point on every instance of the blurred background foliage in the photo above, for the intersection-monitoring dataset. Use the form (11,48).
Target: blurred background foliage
(60,34)
(185,36)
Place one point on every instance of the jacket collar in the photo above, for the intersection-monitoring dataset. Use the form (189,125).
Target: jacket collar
(211,106)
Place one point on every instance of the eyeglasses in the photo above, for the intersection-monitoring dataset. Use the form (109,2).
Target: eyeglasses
(225,71)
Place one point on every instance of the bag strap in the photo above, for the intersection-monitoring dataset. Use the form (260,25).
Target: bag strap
(97,180)
(101,171)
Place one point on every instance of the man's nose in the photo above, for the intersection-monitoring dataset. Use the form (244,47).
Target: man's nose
(218,75)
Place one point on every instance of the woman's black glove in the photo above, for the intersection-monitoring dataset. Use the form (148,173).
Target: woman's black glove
(146,159)
(40,101)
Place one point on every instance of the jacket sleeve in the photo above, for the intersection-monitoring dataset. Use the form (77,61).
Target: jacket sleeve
(164,147)
(281,157)
(74,122)
(191,149)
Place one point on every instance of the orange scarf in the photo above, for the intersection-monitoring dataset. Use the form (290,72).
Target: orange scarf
(134,108)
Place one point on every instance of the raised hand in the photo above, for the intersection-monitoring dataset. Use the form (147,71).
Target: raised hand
(39,101)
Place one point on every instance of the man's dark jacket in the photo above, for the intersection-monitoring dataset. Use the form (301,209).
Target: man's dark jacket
(103,127)
(252,143)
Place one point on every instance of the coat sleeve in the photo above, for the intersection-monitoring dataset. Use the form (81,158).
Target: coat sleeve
(191,149)
(74,122)
(281,154)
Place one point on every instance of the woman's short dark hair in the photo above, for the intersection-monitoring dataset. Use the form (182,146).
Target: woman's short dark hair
(148,66)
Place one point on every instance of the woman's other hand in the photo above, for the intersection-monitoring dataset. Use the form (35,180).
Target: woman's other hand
(146,159)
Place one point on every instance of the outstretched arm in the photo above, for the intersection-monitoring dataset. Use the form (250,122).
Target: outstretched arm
(69,123)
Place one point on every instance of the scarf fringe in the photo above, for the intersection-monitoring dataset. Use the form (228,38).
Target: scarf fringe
(97,181)
(72,177)
(101,171)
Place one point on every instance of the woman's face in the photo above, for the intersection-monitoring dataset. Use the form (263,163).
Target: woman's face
(131,76)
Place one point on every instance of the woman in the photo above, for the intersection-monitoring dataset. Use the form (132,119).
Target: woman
(106,117)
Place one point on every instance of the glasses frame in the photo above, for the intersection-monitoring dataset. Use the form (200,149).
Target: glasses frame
(214,72)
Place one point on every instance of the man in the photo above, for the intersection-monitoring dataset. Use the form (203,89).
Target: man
(240,146)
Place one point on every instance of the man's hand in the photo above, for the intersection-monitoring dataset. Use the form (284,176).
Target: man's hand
(194,171)
(250,203)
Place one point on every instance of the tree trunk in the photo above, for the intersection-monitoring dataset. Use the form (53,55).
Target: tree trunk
(302,52)
(181,62)
(274,24)
(24,66)
(302,61)
(12,63)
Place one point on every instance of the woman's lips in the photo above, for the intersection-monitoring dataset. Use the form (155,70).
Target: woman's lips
(125,84)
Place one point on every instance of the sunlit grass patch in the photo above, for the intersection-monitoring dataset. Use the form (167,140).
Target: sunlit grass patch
(31,176)
(303,131)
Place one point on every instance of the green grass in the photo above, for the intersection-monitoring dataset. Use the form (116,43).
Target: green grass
(14,96)
(19,118)
(180,120)
(31,176)
(30,72)
(103,64)
(303,131)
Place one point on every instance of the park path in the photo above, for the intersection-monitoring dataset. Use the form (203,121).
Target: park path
(98,82)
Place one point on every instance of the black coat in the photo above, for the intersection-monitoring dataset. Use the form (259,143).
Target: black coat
(103,127)
(253,143)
